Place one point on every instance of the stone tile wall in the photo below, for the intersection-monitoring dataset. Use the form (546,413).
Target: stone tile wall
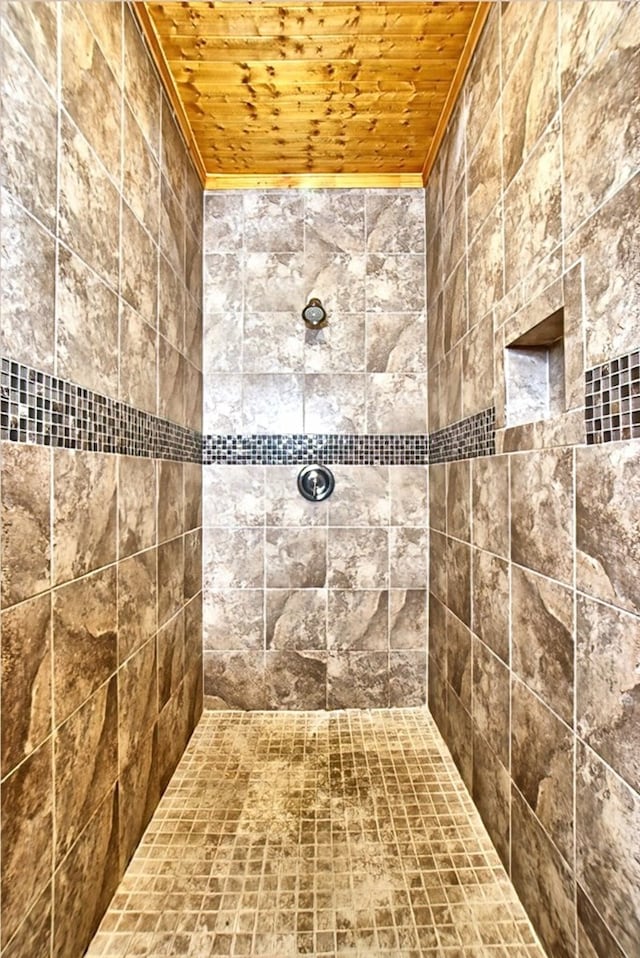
(323,605)
(101,579)
(535,566)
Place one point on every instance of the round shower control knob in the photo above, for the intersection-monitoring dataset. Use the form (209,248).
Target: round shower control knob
(316,483)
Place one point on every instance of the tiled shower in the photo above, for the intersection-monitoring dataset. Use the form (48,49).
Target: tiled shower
(476,393)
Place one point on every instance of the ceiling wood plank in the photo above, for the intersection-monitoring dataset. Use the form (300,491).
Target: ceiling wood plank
(244,181)
(317,19)
(216,75)
(264,181)
(304,48)
(312,88)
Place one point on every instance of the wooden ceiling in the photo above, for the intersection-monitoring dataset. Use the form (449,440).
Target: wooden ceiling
(312,93)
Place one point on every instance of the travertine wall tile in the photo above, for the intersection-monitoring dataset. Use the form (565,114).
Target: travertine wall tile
(327,567)
(542,765)
(25,679)
(101,241)
(543,882)
(86,754)
(522,225)
(27,836)
(607,821)
(607,649)
(28,162)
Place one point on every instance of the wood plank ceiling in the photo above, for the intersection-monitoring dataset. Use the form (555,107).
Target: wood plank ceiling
(312,93)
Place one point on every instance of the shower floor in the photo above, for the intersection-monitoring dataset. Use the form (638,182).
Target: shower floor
(316,833)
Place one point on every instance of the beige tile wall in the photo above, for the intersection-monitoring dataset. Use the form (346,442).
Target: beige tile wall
(535,605)
(314,605)
(101,574)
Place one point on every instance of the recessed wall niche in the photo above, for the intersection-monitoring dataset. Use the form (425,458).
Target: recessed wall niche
(534,372)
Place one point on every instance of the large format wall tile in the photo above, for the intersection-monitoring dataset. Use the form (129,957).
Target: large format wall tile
(358,620)
(233,619)
(87,334)
(25,679)
(542,512)
(407,618)
(83,542)
(136,515)
(139,791)
(28,162)
(86,752)
(490,601)
(608,523)
(296,558)
(542,638)
(594,938)
(138,366)
(396,342)
(26,520)
(28,287)
(542,765)
(87,82)
(491,700)
(296,679)
(530,97)
(542,880)
(363,496)
(607,820)
(89,205)
(93,866)
(295,618)
(234,680)
(491,793)
(33,937)
(357,680)
(613,73)
(84,638)
(137,600)
(358,558)
(233,559)
(610,262)
(607,685)
(27,836)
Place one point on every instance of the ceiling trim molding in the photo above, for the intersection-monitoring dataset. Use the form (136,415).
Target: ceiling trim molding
(147,26)
(479,19)
(287,181)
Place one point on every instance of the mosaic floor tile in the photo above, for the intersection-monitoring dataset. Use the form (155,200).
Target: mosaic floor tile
(316,833)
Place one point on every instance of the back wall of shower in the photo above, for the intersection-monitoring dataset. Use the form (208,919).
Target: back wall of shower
(314,605)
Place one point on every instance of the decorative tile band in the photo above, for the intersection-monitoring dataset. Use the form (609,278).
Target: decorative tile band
(466,439)
(36,407)
(612,400)
(328,448)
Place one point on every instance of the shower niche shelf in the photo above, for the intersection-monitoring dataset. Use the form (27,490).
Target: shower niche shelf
(534,372)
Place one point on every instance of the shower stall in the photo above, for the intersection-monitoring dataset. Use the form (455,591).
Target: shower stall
(451,637)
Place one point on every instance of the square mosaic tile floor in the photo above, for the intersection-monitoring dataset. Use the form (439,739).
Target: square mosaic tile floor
(316,833)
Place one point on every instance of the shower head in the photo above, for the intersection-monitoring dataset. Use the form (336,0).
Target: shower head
(314,314)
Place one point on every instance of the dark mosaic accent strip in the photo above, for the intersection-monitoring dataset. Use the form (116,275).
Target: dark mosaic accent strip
(466,439)
(612,400)
(328,448)
(36,407)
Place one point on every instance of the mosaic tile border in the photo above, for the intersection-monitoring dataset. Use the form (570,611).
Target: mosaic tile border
(328,448)
(612,400)
(465,439)
(38,408)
